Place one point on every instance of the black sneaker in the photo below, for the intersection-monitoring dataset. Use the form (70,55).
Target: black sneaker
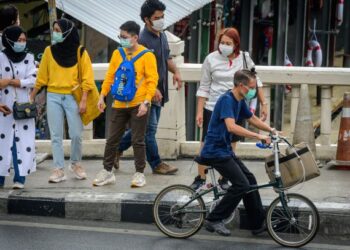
(197,183)
(260,230)
(223,182)
(217,226)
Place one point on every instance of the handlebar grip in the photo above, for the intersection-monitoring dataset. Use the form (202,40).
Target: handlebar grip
(263,145)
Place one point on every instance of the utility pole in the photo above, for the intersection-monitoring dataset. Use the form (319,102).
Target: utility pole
(280,40)
(346,62)
(52,15)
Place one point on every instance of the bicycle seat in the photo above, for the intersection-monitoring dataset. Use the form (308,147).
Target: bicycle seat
(209,162)
(202,161)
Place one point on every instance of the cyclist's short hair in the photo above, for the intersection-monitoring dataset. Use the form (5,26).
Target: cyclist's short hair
(244,76)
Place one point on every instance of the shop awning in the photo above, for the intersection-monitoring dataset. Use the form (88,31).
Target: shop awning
(106,16)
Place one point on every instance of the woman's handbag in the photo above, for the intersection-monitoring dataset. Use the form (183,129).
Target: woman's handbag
(92,111)
(22,110)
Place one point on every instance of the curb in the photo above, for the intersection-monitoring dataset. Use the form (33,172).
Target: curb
(137,207)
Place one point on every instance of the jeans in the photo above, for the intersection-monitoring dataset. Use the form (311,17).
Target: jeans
(120,117)
(17,177)
(58,106)
(152,154)
(241,179)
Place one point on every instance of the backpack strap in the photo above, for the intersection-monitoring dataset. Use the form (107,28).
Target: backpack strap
(139,55)
(122,53)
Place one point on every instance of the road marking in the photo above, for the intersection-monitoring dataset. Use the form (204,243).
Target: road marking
(156,234)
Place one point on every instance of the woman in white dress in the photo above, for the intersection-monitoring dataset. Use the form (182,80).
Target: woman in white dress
(17,137)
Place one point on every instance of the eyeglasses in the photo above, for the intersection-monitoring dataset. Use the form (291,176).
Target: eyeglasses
(123,37)
(248,87)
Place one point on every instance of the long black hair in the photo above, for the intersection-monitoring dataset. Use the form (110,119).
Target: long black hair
(8,16)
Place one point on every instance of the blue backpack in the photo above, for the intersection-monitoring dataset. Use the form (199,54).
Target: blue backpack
(124,86)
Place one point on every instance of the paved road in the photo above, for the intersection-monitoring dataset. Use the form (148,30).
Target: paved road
(37,233)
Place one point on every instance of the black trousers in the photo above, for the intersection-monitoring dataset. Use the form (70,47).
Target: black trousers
(241,179)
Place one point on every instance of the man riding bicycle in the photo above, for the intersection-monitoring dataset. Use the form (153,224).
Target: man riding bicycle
(217,152)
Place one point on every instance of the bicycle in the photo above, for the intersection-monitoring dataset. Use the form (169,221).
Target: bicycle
(292,219)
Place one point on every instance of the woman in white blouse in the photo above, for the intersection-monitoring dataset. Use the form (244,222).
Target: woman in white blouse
(218,70)
(17,137)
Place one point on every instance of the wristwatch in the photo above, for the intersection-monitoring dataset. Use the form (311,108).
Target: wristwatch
(147,103)
(264,103)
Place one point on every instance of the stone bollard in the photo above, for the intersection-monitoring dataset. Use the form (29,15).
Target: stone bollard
(303,130)
(172,128)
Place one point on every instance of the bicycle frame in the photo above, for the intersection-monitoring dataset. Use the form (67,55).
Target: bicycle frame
(276,184)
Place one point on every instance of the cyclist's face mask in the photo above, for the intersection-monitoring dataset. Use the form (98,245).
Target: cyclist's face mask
(248,95)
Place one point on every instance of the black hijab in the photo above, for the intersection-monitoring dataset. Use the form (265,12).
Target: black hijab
(65,53)
(9,36)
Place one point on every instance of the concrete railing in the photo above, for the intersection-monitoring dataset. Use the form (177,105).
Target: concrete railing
(171,135)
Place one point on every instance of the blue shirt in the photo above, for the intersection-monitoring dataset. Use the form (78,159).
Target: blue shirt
(218,140)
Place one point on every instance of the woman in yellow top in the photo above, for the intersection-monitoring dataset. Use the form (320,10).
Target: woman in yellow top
(135,111)
(58,72)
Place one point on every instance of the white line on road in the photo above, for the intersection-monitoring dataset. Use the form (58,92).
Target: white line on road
(155,234)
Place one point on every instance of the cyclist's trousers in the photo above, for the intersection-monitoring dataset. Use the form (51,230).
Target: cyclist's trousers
(241,178)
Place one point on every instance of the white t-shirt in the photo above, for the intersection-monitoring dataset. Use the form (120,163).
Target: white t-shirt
(217,76)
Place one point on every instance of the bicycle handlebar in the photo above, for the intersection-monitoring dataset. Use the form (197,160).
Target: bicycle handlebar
(274,138)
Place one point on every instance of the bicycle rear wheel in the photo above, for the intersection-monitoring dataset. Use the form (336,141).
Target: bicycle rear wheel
(293,224)
(175,214)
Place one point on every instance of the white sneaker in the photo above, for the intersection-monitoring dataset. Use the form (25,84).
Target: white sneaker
(57,176)
(104,177)
(78,171)
(18,185)
(138,180)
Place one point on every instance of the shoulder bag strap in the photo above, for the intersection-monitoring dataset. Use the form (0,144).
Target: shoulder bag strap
(245,65)
(79,64)
(13,76)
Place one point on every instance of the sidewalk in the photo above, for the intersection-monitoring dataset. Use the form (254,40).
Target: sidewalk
(80,200)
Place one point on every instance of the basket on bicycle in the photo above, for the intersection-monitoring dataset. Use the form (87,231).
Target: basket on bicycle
(295,167)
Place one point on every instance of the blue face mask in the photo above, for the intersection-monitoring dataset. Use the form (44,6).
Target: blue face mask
(19,47)
(57,37)
(125,43)
(250,94)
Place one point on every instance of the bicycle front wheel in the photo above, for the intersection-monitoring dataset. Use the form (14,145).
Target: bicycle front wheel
(176,212)
(292,222)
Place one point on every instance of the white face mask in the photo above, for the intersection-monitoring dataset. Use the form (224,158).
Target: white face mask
(158,25)
(226,50)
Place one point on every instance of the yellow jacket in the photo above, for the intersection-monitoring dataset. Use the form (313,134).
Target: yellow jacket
(146,77)
(61,80)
